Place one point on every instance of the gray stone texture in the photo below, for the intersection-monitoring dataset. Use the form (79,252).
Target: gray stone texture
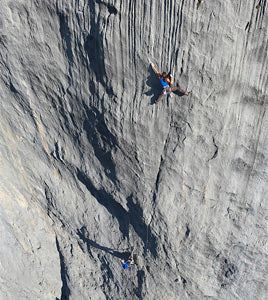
(90,167)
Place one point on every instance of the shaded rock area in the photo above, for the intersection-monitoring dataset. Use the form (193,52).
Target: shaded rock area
(90,167)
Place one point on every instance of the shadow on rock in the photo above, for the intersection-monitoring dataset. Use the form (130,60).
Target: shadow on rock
(107,200)
(134,217)
(65,291)
(101,139)
(153,83)
(82,233)
(141,279)
(140,227)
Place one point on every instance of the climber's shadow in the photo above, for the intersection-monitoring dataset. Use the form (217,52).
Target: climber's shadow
(153,83)
(82,232)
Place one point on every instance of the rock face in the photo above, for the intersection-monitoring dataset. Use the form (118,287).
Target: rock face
(90,167)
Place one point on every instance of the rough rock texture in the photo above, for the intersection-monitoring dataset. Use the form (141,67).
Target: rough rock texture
(90,167)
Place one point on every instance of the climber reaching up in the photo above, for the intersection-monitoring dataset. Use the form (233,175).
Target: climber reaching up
(166,81)
(126,263)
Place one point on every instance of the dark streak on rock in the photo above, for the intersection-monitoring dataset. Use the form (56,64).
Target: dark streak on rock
(247,26)
(141,277)
(49,198)
(66,35)
(12,88)
(65,291)
(187,232)
(101,139)
(3,40)
(57,151)
(189,125)
(158,179)
(184,281)
(94,47)
(216,151)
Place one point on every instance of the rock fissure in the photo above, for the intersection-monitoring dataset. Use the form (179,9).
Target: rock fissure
(216,151)
(65,291)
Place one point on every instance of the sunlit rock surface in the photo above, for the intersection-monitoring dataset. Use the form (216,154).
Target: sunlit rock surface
(90,167)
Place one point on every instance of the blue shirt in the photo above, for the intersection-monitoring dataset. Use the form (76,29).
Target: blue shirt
(125,265)
(164,84)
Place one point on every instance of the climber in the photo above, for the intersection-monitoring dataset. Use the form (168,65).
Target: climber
(125,264)
(166,82)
